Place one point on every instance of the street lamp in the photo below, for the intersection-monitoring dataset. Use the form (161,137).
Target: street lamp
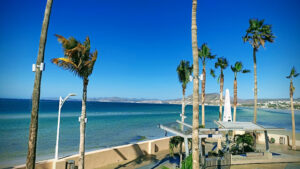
(61,103)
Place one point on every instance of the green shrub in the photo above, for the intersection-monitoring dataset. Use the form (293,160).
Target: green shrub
(215,154)
(272,140)
(243,143)
(201,126)
(142,138)
(187,163)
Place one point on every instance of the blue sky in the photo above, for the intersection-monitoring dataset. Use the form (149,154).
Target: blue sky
(140,44)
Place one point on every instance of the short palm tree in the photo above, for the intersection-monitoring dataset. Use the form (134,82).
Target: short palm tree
(257,35)
(175,142)
(204,54)
(222,64)
(80,61)
(33,129)
(292,75)
(184,71)
(238,67)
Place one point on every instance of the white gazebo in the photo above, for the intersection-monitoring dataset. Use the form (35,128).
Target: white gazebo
(246,126)
(184,130)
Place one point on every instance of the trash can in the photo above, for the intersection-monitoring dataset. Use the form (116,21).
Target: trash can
(70,164)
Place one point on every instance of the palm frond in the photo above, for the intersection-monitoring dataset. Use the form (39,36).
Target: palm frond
(64,62)
(221,62)
(293,73)
(210,56)
(212,73)
(77,56)
(61,39)
(184,70)
(258,33)
(233,68)
(204,52)
(246,71)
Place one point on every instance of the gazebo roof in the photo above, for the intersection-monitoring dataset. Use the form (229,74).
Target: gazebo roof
(245,126)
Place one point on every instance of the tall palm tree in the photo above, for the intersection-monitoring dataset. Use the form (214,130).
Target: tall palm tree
(195,134)
(204,53)
(257,35)
(238,67)
(184,71)
(292,75)
(33,129)
(222,64)
(78,59)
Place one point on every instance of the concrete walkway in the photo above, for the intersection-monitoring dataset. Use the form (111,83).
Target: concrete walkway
(287,158)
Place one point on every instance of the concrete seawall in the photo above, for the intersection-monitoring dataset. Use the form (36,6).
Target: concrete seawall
(130,152)
(104,157)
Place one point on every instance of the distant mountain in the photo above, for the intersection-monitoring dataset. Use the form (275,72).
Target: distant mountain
(210,99)
(125,100)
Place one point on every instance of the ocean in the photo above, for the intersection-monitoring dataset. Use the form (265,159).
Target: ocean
(109,124)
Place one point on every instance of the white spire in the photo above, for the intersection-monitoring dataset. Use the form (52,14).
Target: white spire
(227,108)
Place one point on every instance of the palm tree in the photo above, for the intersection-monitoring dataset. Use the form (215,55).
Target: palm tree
(174,142)
(292,75)
(238,67)
(222,63)
(257,35)
(80,61)
(184,71)
(33,129)
(204,53)
(195,135)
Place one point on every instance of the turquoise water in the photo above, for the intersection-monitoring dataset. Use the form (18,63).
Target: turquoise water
(109,124)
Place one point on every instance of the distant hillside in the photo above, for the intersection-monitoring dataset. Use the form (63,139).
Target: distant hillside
(210,99)
(125,100)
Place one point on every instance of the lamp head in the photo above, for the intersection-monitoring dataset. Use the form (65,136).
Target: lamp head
(72,94)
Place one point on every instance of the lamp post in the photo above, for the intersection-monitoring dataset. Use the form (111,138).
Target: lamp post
(61,103)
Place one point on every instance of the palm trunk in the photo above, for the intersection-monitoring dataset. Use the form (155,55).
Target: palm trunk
(82,125)
(33,129)
(293,117)
(203,95)
(180,155)
(255,85)
(183,105)
(221,95)
(195,135)
(234,99)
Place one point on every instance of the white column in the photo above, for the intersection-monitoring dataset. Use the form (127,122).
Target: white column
(186,144)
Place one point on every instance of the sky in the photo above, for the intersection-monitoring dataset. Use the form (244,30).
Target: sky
(141,43)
